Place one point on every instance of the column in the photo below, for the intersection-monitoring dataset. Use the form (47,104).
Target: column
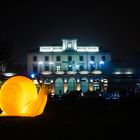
(78,84)
(65,85)
(53,87)
(90,86)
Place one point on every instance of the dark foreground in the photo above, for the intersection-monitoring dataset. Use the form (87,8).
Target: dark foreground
(76,118)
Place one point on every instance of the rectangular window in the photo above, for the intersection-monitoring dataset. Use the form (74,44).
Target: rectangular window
(46,68)
(69,67)
(34,58)
(81,58)
(58,68)
(69,58)
(81,68)
(92,58)
(58,58)
(35,69)
(103,58)
(46,58)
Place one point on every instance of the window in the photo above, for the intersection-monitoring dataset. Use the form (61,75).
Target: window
(58,58)
(34,58)
(58,68)
(69,58)
(81,68)
(35,69)
(69,67)
(92,67)
(47,68)
(103,58)
(46,58)
(92,58)
(81,58)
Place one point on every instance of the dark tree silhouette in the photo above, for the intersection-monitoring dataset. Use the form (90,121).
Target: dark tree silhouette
(5,55)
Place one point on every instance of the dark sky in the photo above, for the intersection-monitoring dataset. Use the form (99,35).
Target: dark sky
(114,26)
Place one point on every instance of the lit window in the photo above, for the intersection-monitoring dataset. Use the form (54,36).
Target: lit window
(58,68)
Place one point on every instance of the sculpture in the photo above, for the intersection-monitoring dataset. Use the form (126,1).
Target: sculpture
(19,97)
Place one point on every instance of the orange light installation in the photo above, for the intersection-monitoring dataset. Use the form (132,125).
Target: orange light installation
(19,97)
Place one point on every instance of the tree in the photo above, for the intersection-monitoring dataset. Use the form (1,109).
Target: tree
(5,55)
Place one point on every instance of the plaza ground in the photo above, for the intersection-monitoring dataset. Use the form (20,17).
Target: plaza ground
(82,117)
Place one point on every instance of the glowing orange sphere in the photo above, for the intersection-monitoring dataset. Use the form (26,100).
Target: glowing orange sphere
(19,97)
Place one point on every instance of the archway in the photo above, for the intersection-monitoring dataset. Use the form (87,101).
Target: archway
(84,84)
(59,86)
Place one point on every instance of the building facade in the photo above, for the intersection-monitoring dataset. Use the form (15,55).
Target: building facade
(67,65)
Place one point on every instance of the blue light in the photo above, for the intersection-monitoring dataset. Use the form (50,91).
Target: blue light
(32,76)
(101,62)
(91,62)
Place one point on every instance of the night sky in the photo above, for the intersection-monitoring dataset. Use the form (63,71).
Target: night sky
(114,26)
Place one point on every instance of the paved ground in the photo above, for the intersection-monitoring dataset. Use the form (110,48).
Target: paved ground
(86,118)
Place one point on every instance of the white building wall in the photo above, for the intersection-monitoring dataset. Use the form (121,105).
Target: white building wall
(64,58)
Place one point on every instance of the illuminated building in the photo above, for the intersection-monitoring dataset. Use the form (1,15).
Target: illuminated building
(70,66)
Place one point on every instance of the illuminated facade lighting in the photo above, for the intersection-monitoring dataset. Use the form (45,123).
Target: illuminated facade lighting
(128,72)
(9,74)
(32,75)
(97,72)
(91,80)
(68,57)
(117,72)
(101,62)
(69,61)
(51,63)
(65,80)
(40,63)
(78,80)
(91,62)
